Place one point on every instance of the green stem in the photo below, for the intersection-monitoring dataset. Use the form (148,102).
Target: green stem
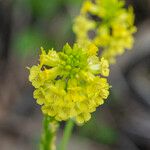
(49,134)
(66,135)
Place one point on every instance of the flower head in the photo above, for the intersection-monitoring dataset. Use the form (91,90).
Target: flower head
(111,24)
(70,83)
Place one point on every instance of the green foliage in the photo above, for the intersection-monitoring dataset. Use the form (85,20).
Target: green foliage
(44,7)
(99,131)
(27,42)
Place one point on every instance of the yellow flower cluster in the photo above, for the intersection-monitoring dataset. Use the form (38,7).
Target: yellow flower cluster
(108,25)
(70,83)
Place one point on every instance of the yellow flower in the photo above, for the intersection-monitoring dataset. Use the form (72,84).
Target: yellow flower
(112,24)
(104,67)
(70,83)
(81,27)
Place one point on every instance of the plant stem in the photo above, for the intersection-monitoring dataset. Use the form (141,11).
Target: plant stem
(66,135)
(49,134)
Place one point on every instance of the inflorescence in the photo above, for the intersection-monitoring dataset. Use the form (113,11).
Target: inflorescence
(70,84)
(108,25)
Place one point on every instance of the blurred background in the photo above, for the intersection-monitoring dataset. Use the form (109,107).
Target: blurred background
(122,123)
